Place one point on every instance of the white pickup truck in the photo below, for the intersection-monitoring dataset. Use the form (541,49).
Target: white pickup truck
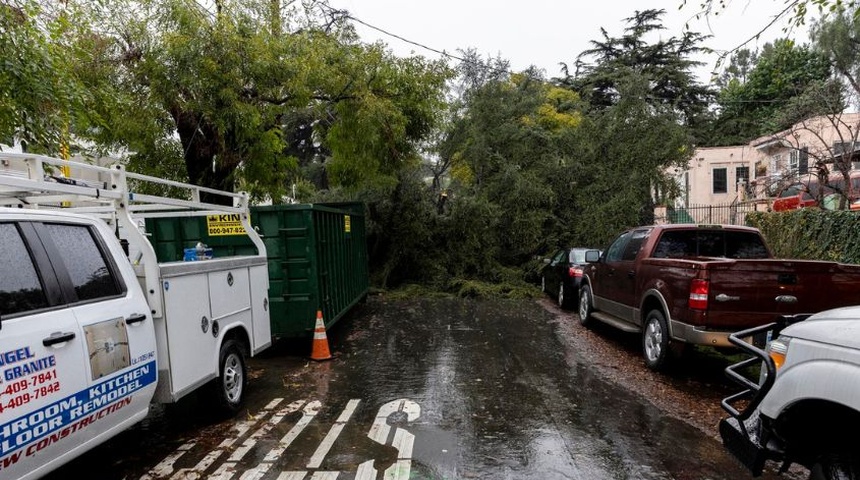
(805,406)
(92,328)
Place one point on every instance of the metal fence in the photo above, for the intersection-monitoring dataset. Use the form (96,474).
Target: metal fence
(723,214)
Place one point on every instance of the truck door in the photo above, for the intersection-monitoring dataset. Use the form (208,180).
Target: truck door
(615,283)
(81,366)
(41,353)
(113,315)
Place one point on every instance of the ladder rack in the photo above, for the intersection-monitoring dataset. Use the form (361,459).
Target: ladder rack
(36,182)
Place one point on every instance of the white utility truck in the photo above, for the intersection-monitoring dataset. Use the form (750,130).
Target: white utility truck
(804,407)
(93,329)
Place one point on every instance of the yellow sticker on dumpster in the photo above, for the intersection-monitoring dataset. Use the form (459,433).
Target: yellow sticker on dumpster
(347,227)
(226,224)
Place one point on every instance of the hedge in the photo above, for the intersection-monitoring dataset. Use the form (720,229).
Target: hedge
(811,233)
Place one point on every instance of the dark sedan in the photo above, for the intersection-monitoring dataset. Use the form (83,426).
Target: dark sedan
(561,275)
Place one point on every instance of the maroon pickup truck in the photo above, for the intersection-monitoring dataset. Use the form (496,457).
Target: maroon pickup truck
(691,284)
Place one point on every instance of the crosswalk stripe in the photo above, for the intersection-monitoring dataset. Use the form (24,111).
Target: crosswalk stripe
(333,433)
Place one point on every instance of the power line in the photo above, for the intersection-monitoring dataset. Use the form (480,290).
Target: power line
(346,14)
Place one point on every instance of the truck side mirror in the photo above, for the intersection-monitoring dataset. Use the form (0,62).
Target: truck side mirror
(592,256)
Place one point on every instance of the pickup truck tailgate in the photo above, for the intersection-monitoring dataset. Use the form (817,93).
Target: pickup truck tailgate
(747,293)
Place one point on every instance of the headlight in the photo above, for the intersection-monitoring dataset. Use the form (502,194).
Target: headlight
(778,349)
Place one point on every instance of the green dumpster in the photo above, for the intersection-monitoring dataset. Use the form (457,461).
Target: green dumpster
(317,257)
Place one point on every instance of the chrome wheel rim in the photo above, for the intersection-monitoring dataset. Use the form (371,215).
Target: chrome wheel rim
(561,295)
(653,340)
(583,304)
(233,378)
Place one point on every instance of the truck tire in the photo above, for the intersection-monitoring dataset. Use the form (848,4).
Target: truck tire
(655,340)
(835,467)
(585,308)
(232,377)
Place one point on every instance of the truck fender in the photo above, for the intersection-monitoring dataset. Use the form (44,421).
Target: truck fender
(649,298)
(586,280)
(814,380)
(237,331)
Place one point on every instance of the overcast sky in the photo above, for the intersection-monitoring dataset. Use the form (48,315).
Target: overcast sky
(545,32)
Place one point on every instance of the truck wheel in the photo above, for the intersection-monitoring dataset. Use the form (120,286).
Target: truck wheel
(655,340)
(835,467)
(585,305)
(232,377)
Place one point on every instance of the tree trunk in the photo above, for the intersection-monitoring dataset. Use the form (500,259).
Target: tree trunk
(200,145)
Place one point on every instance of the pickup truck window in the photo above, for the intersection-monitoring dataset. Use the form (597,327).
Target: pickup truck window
(637,238)
(613,253)
(710,243)
(20,288)
(91,276)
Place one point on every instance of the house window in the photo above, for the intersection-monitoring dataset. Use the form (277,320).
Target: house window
(841,148)
(720,181)
(793,161)
(775,164)
(742,175)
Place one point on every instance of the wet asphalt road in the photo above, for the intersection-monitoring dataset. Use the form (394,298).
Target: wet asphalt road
(487,389)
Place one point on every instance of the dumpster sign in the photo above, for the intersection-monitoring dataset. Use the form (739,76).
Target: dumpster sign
(227,224)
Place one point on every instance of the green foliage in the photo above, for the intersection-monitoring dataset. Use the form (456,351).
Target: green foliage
(837,37)
(467,289)
(666,64)
(469,236)
(41,98)
(811,233)
(287,102)
(638,139)
(765,99)
(251,93)
(479,289)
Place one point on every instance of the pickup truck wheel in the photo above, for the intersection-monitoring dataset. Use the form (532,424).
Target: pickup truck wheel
(232,377)
(655,340)
(585,305)
(835,467)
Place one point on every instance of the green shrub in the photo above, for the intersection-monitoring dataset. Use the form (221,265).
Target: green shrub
(811,234)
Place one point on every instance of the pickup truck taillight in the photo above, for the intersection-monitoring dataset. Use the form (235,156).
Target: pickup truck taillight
(698,294)
(574,272)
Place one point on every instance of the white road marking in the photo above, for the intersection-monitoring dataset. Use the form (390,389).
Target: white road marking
(325,476)
(315,476)
(292,475)
(366,471)
(308,414)
(403,441)
(399,470)
(327,442)
(380,432)
(241,429)
(228,468)
(165,467)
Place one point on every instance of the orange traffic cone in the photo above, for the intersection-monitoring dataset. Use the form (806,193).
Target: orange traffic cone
(320,347)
